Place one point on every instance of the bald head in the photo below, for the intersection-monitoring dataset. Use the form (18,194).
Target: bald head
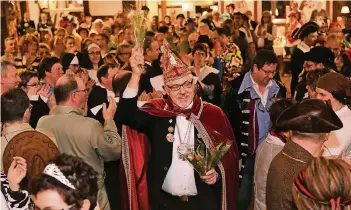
(65,86)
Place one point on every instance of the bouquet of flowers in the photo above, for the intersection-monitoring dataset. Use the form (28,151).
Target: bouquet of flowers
(138,23)
(204,159)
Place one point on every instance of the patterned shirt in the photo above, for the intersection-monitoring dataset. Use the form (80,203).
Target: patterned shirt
(232,60)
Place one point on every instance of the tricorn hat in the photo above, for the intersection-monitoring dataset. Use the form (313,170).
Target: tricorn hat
(306,29)
(310,116)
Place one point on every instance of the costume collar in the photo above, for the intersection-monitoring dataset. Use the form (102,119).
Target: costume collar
(67,110)
(16,128)
(249,83)
(148,63)
(303,47)
(295,151)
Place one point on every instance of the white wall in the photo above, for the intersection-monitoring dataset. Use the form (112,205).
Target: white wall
(105,8)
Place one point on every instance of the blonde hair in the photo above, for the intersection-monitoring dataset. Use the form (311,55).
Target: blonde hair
(325,184)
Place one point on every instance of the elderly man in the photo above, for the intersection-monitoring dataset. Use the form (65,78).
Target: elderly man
(246,104)
(81,136)
(9,76)
(310,122)
(10,49)
(173,125)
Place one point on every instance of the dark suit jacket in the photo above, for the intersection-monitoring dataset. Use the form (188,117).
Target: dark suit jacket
(297,61)
(156,128)
(39,109)
(97,97)
(150,72)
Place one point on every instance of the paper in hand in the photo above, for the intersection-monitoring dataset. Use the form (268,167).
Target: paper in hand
(157,82)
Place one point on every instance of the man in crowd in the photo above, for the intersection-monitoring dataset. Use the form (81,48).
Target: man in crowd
(26,24)
(15,115)
(101,91)
(308,35)
(10,49)
(102,40)
(81,136)
(247,104)
(316,58)
(151,54)
(334,43)
(230,56)
(310,122)
(171,126)
(9,76)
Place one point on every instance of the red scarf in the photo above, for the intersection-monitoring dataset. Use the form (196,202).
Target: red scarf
(136,149)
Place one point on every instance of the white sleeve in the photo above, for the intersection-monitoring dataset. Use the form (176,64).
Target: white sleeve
(130,92)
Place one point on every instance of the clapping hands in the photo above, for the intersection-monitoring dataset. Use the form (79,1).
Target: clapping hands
(16,173)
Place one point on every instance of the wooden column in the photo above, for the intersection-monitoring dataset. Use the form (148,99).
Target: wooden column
(163,9)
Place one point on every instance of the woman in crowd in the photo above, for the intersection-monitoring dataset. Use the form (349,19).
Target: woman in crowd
(66,183)
(44,50)
(335,88)
(61,33)
(58,47)
(273,144)
(91,60)
(324,184)
(97,26)
(154,24)
(266,32)
(12,197)
(29,61)
(85,43)
(70,44)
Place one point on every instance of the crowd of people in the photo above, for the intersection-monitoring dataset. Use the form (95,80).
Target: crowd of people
(118,117)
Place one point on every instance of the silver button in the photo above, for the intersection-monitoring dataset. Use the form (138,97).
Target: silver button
(165,168)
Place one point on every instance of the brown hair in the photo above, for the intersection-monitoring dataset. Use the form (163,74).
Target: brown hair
(324,184)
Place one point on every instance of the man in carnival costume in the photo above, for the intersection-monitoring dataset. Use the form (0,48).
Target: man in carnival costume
(153,172)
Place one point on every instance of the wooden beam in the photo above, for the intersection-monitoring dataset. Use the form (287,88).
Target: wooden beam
(163,9)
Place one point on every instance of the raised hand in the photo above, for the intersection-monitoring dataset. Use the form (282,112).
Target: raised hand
(137,60)
(109,113)
(16,173)
(45,90)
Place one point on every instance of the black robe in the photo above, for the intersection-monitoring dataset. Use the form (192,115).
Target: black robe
(150,72)
(212,79)
(39,109)
(297,61)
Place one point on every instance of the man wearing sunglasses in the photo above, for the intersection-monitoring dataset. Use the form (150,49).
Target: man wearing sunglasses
(171,126)
(246,104)
(81,136)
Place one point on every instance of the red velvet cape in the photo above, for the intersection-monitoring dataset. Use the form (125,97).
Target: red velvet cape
(136,150)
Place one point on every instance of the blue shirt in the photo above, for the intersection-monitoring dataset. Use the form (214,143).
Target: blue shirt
(262,111)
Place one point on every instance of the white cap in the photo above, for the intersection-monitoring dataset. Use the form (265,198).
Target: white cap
(92,45)
(75,60)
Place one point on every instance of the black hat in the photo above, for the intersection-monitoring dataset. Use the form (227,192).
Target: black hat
(306,29)
(323,55)
(145,8)
(67,59)
(310,116)
(87,14)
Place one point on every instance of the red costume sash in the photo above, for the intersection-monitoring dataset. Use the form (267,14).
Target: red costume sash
(206,118)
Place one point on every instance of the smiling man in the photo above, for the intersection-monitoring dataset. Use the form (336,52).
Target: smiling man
(246,104)
(171,125)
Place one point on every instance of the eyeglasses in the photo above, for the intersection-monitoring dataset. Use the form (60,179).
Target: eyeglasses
(187,85)
(269,72)
(86,90)
(95,53)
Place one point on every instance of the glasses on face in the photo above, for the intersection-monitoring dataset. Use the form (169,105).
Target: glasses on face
(267,72)
(95,53)
(203,54)
(86,90)
(187,85)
